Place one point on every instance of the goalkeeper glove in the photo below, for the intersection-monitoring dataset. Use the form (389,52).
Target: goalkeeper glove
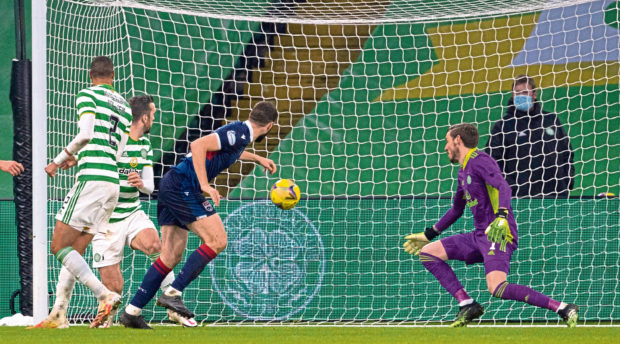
(499,230)
(416,241)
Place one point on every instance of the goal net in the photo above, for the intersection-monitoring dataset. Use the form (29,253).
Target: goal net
(366,91)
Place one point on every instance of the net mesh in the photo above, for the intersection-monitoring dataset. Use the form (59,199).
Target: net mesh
(365,93)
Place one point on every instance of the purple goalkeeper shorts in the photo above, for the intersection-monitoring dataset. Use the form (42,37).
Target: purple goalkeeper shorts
(473,247)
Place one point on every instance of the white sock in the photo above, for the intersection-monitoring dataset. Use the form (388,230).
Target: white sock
(466,302)
(133,310)
(172,292)
(64,289)
(167,281)
(76,264)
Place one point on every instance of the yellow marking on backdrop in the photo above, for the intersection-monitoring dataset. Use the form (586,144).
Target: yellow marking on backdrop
(474,58)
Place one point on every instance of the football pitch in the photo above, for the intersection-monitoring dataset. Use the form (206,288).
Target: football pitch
(315,334)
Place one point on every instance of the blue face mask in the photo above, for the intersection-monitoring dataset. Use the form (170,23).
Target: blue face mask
(523,103)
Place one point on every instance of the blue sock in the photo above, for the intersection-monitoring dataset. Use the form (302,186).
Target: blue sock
(194,266)
(150,284)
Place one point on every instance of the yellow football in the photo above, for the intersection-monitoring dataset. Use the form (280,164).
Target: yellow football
(285,194)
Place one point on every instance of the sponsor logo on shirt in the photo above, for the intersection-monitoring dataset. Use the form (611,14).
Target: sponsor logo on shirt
(127,171)
(470,202)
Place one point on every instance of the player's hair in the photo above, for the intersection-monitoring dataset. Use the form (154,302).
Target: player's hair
(101,67)
(467,132)
(140,106)
(264,113)
(524,79)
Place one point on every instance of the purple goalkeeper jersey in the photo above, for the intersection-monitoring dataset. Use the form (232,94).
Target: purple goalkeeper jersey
(482,187)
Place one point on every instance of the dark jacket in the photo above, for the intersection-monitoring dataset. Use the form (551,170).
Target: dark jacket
(534,152)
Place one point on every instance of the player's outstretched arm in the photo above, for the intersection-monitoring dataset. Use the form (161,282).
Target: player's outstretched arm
(416,241)
(87,130)
(268,164)
(458,205)
(199,149)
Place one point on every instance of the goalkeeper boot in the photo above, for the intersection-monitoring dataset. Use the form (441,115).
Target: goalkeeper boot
(570,314)
(133,321)
(181,320)
(468,313)
(107,307)
(58,320)
(175,304)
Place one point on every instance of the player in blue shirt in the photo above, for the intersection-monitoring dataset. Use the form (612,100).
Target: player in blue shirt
(182,206)
(484,190)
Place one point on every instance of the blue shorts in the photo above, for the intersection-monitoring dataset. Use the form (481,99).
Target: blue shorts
(178,205)
(474,247)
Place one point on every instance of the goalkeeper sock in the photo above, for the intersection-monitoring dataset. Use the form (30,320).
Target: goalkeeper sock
(445,275)
(150,284)
(561,306)
(78,267)
(64,289)
(466,300)
(194,266)
(509,291)
(169,277)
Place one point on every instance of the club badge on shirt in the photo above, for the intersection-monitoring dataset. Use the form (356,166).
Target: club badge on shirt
(231,137)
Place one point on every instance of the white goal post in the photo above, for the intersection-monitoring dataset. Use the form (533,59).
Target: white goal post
(40,248)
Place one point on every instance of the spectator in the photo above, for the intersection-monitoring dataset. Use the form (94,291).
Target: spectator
(531,147)
(12,167)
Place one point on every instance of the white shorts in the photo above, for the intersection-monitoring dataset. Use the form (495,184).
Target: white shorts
(88,205)
(108,244)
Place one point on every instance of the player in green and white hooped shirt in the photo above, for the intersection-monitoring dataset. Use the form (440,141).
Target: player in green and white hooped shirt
(129,225)
(104,118)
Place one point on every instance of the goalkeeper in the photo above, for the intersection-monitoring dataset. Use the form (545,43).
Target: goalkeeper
(481,187)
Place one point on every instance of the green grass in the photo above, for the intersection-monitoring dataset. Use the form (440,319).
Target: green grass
(314,335)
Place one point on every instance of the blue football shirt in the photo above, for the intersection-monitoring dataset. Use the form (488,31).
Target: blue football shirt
(233,139)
